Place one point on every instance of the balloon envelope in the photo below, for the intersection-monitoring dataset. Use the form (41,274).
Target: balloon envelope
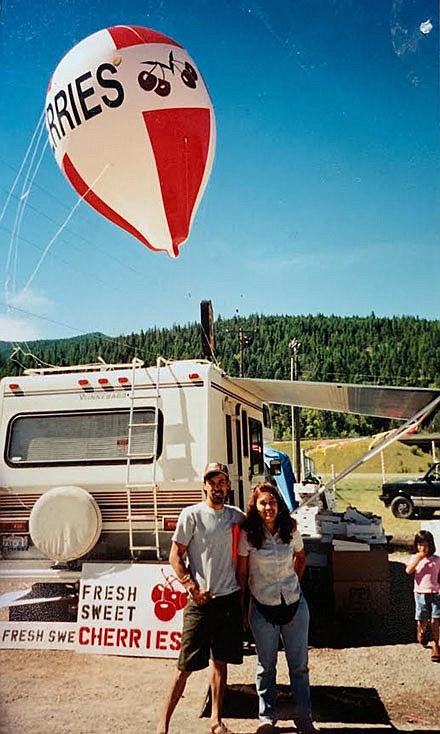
(132,128)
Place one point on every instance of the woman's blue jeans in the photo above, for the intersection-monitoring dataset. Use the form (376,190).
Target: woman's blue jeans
(295,640)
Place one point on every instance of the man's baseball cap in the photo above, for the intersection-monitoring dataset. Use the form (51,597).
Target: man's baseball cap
(215,468)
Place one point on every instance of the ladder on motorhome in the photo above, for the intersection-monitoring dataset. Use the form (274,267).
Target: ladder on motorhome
(131,487)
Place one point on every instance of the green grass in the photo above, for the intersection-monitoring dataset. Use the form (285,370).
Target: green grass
(336,454)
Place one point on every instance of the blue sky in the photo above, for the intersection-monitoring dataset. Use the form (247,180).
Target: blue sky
(324,196)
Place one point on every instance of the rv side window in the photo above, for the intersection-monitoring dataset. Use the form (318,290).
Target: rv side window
(256,442)
(82,438)
(267,421)
(229,451)
(244,423)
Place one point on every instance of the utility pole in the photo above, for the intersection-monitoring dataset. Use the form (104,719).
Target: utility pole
(294,345)
(244,341)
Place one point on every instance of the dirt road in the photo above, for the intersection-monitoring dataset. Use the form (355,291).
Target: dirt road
(365,677)
(357,689)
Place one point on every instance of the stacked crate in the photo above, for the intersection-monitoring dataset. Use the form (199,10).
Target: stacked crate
(361,581)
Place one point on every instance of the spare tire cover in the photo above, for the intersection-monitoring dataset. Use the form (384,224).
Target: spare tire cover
(65,523)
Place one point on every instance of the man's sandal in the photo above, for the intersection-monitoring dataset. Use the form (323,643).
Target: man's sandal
(220,729)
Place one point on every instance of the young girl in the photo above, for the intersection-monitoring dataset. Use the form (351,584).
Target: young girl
(425,565)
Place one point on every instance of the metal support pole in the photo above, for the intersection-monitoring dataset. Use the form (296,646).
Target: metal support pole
(292,420)
(382,465)
(296,437)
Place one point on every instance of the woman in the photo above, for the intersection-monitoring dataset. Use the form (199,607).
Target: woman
(271,560)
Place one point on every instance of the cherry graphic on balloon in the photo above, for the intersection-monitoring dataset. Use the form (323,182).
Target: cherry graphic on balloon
(191,70)
(147,80)
(188,80)
(189,75)
(163,88)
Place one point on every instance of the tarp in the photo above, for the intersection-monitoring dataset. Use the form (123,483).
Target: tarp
(286,479)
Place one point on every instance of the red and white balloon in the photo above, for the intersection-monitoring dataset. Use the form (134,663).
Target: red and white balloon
(132,127)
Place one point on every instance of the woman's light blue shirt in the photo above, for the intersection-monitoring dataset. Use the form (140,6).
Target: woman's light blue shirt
(271,571)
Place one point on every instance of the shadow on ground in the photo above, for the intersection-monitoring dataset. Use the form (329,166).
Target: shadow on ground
(360,707)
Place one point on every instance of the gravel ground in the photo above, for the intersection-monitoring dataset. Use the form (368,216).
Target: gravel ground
(366,675)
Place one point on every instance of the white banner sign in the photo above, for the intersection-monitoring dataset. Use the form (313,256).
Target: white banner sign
(38,635)
(130,609)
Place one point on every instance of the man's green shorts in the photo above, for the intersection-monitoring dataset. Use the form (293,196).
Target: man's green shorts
(212,630)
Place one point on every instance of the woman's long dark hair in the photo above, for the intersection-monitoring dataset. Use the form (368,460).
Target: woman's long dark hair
(424,536)
(254,525)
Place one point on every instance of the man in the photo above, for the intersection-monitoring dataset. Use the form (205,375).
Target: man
(212,625)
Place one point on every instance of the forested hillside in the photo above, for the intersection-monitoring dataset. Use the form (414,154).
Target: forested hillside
(390,351)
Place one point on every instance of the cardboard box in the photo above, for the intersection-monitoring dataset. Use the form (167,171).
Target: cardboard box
(352,514)
(350,545)
(355,566)
(332,528)
(366,531)
(361,596)
(316,560)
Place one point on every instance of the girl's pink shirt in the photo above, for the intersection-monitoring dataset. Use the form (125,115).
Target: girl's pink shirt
(426,575)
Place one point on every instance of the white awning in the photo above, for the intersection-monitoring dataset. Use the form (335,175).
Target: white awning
(374,400)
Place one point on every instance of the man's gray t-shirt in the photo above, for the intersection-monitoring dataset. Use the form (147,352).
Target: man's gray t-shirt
(207,533)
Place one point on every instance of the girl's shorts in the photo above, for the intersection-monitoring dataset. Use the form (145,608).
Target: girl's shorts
(427,606)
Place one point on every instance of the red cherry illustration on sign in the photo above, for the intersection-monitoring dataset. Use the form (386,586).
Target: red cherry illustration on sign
(164,610)
(158,592)
(175,596)
(167,599)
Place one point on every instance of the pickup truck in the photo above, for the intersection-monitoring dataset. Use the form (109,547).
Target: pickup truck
(415,497)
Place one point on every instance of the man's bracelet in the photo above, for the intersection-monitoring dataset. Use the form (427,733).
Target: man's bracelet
(184,579)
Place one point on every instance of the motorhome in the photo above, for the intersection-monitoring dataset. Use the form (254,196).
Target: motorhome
(99,460)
